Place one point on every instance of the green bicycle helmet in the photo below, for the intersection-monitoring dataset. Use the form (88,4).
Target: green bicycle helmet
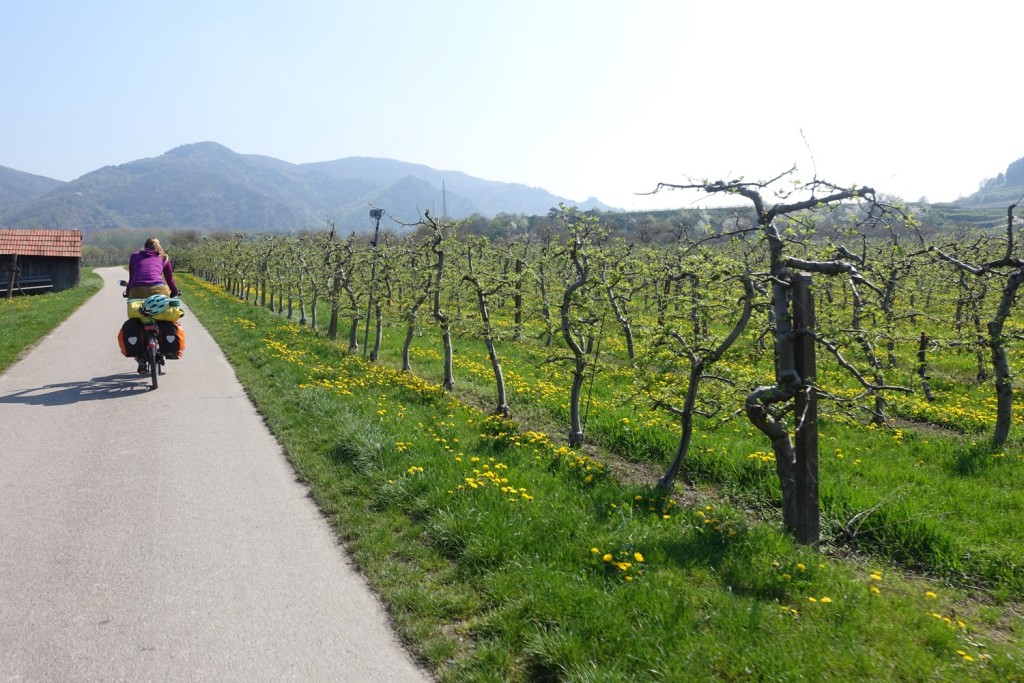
(155,305)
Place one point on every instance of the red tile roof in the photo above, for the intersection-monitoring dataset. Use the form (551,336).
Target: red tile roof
(41,242)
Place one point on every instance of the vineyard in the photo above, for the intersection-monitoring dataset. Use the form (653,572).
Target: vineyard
(635,394)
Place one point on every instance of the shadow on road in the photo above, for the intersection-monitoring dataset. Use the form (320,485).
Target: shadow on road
(97,388)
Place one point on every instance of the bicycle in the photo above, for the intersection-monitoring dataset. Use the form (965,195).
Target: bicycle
(153,354)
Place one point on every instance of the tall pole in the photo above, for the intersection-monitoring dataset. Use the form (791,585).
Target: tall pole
(376,215)
(806,404)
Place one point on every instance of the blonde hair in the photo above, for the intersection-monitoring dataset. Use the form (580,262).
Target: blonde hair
(154,244)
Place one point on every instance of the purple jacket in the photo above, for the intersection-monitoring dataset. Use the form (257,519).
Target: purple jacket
(147,267)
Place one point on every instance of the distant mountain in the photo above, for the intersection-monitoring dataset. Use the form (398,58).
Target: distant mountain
(208,186)
(1001,191)
(17,187)
(986,208)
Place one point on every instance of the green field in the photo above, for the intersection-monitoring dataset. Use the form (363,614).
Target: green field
(504,555)
(24,320)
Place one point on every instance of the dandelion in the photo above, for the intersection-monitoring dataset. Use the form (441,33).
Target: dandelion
(607,557)
(801,566)
(827,600)
(874,589)
(930,594)
(638,557)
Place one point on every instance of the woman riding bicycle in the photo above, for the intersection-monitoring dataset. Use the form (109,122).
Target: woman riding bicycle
(150,272)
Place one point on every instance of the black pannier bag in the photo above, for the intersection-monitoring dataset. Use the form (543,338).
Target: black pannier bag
(132,338)
(172,339)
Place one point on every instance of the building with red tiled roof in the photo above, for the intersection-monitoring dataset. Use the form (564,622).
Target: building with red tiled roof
(39,256)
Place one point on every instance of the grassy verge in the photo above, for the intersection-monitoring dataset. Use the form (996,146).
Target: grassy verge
(505,557)
(24,320)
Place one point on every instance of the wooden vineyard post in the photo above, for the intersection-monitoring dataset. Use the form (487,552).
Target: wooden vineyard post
(12,274)
(808,523)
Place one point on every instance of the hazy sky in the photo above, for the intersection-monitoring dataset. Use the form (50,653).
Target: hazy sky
(583,98)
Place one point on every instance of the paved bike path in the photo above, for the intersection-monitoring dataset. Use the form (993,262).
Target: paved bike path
(161,535)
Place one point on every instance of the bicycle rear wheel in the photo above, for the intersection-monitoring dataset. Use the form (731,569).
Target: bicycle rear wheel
(154,368)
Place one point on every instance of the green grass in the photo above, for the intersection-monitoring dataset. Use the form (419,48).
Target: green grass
(24,320)
(504,556)
(939,502)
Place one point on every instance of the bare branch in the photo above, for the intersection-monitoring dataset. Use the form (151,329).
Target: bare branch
(832,348)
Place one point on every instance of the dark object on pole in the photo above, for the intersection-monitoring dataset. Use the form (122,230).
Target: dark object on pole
(376,215)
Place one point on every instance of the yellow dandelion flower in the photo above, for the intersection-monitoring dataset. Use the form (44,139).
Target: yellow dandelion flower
(607,557)
(930,594)
(638,557)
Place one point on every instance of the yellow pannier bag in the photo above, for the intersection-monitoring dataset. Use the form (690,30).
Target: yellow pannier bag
(170,315)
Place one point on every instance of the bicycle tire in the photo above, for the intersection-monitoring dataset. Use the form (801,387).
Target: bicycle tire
(153,367)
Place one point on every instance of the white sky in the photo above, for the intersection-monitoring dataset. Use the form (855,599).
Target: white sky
(583,98)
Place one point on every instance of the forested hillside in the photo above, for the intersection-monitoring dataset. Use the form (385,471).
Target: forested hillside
(207,186)
(17,187)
